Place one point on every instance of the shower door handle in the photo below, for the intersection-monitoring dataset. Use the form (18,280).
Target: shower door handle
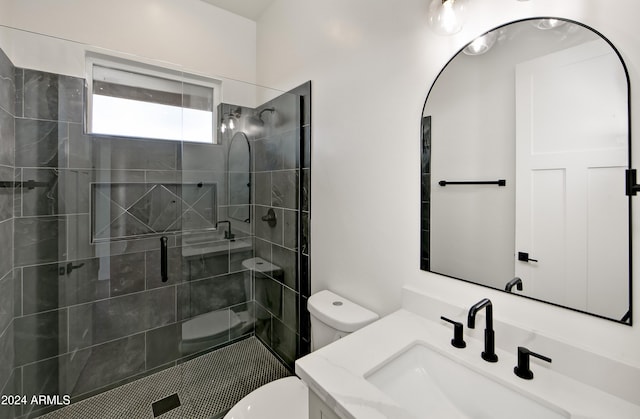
(163,258)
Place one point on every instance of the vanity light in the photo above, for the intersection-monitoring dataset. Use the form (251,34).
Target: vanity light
(446,17)
(228,120)
(481,44)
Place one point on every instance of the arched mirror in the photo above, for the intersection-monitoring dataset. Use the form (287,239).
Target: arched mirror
(525,148)
(240,178)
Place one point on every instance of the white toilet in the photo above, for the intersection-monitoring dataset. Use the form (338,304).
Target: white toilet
(332,317)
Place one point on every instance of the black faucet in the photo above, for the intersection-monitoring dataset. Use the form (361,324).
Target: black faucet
(227,234)
(515,282)
(523,370)
(489,353)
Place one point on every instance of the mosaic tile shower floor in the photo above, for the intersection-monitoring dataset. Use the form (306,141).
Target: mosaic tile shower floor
(208,386)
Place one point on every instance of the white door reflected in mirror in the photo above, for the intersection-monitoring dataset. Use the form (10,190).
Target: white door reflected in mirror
(571,154)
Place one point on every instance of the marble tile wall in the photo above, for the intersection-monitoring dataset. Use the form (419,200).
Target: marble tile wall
(281,173)
(79,317)
(304,271)
(425,193)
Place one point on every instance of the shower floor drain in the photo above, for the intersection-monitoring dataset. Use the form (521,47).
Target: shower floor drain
(164,405)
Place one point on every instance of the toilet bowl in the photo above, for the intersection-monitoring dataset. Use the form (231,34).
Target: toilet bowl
(332,317)
(286,398)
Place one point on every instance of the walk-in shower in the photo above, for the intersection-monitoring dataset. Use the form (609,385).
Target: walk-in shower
(127,254)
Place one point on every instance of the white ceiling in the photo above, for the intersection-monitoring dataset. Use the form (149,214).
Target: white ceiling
(251,9)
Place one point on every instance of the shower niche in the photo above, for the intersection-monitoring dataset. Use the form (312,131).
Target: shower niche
(122,211)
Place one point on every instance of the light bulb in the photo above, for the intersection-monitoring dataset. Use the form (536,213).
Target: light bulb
(223,127)
(545,24)
(232,125)
(447,17)
(481,44)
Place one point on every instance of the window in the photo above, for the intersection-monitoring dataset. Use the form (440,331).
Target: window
(129,99)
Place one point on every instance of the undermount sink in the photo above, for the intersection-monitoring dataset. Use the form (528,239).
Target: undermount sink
(430,384)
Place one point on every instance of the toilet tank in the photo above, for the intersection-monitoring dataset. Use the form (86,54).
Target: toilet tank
(333,317)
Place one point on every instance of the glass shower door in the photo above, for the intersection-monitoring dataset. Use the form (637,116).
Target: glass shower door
(133,255)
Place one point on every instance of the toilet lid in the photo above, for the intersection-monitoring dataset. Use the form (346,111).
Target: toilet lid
(286,398)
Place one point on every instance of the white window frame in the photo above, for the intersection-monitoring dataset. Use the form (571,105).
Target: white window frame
(117,63)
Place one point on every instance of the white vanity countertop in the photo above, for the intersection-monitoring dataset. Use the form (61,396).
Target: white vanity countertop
(336,372)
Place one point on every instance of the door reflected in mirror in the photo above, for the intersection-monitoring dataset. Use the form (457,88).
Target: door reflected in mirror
(525,147)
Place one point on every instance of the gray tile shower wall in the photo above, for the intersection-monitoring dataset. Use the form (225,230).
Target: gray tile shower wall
(88,315)
(7,282)
(304,217)
(280,173)
(79,317)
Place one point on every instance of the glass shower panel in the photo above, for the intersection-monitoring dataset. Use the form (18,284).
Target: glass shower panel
(231,286)
(133,255)
(218,297)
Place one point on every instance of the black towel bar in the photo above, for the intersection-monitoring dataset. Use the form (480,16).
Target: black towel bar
(499,182)
(29,184)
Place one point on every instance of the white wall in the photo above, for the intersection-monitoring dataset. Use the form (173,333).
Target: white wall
(472,138)
(371,64)
(190,33)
